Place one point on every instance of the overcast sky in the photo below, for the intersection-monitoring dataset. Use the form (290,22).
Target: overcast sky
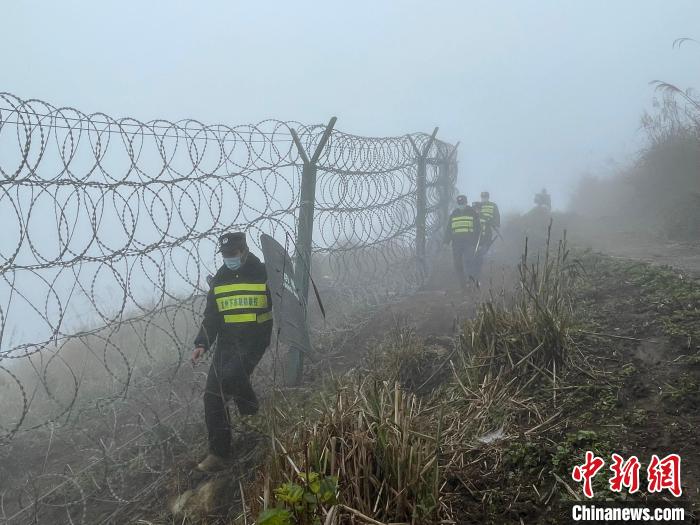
(537,91)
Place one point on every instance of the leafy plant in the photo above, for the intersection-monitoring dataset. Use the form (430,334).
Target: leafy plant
(301,503)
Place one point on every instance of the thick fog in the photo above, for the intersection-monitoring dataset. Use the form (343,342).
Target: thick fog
(548,331)
(537,91)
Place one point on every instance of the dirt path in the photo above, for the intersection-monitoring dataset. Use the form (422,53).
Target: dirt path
(435,312)
(684,256)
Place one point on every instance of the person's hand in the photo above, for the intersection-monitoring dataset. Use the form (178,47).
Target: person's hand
(197,354)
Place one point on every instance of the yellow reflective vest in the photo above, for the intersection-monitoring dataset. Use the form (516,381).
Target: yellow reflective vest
(463,225)
(486,212)
(239,306)
(243,302)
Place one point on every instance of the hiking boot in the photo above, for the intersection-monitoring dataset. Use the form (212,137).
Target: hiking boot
(212,463)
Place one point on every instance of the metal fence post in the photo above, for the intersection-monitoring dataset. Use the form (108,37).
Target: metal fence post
(420,208)
(307,200)
(421,197)
(448,172)
(444,204)
(304,240)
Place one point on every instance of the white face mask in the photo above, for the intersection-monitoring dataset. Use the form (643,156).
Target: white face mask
(232,263)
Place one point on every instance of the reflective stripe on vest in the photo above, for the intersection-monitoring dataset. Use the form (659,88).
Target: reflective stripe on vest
(248,299)
(486,211)
(463,224)
(240,287)
(248,318)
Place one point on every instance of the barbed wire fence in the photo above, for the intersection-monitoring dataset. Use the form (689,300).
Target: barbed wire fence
(109,233)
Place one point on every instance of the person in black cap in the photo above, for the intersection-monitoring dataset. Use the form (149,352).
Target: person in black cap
(463,230)
(238,316)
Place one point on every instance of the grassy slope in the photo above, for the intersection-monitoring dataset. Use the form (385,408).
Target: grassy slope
(641,397)
(639,328)
(628,383)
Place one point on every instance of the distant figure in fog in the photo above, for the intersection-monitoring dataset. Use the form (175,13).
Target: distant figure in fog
(463,230)
(238,316)
(490,218)
(543,199)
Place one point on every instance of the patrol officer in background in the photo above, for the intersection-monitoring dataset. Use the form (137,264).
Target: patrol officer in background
(463,230)
(490,220)
(543,200)
(238,316)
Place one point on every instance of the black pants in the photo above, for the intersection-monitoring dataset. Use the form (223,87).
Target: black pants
(486,237)
(484,245)
(467,264)
(229,378)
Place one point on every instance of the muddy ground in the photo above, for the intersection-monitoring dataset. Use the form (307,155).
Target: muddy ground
(650,316)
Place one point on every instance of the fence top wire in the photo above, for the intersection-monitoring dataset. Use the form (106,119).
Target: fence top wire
(266,145)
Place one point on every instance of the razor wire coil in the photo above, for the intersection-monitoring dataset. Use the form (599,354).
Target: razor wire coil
(109,233)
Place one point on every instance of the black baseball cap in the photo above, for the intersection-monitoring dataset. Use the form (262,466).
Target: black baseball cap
(231,242)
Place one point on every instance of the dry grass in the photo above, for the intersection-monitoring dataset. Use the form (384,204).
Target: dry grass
(373,437)
(394,450)
(531,336)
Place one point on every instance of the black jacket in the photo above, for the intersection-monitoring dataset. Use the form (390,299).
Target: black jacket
(214,326)
(495,219)
(463,238)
